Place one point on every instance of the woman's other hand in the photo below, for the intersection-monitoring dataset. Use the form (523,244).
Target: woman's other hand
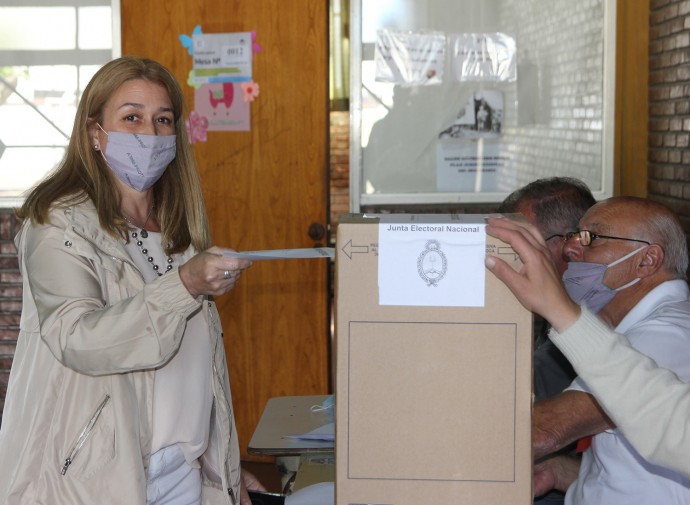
(249,483)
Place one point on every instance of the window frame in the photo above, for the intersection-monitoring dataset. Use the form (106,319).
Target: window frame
(361,200)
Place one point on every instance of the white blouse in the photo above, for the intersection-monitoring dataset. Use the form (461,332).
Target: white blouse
(182,393)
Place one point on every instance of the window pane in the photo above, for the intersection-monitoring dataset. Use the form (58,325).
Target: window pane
(27,28)
(43,106)
(85,74)
(95,28)
(36,116)
(22,168)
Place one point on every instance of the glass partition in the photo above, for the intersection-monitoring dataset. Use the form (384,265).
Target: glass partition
(466,100)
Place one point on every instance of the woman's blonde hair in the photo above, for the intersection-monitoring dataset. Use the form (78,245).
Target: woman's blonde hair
(83,174)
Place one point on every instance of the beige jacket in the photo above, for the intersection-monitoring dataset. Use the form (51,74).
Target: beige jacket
(76,427)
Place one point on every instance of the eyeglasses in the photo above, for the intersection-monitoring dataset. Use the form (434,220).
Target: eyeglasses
(586,237)
(555,235)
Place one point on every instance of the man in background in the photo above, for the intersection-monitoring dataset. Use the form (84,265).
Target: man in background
(554,205)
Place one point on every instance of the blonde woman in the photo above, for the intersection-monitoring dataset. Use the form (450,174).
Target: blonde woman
(119,387)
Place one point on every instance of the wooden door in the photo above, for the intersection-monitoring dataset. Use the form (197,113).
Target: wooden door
(264,188)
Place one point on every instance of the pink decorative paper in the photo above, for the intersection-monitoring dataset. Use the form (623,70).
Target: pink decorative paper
(220,104)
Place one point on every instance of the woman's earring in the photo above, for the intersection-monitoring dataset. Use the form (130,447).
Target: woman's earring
(96,147)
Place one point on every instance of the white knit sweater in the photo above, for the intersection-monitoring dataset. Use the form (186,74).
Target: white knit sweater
(650,404)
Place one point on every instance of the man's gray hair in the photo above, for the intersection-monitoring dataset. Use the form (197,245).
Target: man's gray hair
(557,202)
(664,228)
(657,224)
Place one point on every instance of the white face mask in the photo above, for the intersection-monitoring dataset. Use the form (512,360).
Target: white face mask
(137,159)
(584,282)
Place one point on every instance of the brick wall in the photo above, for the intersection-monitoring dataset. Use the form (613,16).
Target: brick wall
(10,298)
(669,105)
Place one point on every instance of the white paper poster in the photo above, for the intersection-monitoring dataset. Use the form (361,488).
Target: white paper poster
(410,59)
(222,57)
(427,260)
(483,57)
(475,166)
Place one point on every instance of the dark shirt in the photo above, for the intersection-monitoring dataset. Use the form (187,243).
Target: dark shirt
(552,371)
(552,374)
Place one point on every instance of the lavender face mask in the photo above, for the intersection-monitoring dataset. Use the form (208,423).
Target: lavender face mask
(584,282)
(139,160)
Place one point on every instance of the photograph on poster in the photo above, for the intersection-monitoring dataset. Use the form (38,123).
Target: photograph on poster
(480,117)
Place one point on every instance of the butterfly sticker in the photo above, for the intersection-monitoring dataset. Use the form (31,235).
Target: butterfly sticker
(187,41)
(191,81)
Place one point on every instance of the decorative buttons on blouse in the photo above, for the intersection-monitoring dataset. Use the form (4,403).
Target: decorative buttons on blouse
(68,243)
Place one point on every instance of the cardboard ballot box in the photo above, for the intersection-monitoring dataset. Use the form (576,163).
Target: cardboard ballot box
(434,365)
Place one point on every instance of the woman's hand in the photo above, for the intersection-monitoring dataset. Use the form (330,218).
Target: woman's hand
(211,273)
(249,483)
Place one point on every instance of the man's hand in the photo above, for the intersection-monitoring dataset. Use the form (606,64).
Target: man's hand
(557,473)
(565,418)
(537,285)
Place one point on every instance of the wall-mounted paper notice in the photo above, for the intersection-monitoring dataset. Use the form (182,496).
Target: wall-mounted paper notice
(473,166)
(222,57)
(431,261)
(484,57)
(410,59)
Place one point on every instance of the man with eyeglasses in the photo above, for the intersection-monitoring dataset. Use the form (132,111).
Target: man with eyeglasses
(628,264)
